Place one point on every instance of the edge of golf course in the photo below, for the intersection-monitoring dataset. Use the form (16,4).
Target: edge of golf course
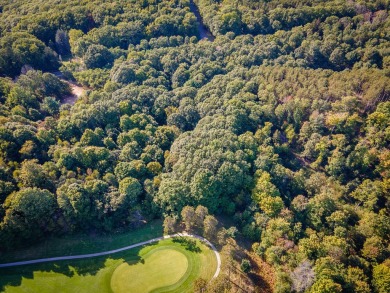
(108,252)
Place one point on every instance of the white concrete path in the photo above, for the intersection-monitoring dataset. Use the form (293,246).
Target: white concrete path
(58,258)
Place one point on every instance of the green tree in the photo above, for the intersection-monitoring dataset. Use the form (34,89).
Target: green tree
(245,265)
(131,188)
(325,286)
(29,215)
(271,205)
(76,205)
(381,277)
(374,248)
(368,193)
(136,169)
(92,138)
(154,168)
(20,48)
(50,106)
(357,280)
(32,174)
(172,196)
(97,56)
(77,45)
(267,194)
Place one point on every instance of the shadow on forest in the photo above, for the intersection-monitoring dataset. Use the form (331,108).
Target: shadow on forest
(188,243)
(260,282)
(13,276)
(258,279)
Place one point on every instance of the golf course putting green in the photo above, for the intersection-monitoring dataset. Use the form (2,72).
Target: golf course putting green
(167,265)
(159,268)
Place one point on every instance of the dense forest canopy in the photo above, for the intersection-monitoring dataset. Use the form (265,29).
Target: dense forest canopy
(282,123)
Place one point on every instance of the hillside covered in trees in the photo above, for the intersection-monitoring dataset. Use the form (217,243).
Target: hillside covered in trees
(282,123)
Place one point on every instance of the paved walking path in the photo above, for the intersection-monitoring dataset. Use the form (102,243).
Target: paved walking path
(35,261)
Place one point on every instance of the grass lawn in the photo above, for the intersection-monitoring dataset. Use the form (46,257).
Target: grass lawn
(83,244)
(160,268)
(167,266)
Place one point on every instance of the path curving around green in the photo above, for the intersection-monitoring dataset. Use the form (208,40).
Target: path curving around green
(166,265)
(90,255)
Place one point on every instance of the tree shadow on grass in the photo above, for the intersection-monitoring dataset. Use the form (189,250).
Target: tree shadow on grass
(188,243)
(13,276)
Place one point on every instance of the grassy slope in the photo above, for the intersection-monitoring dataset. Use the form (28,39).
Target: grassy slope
(95,275)
(82,244)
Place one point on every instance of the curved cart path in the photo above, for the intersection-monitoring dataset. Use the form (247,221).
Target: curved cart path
(41,260)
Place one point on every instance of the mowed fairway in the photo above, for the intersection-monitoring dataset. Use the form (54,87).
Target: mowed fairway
(167,266)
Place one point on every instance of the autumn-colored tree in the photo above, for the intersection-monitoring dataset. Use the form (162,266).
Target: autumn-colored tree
(188,217)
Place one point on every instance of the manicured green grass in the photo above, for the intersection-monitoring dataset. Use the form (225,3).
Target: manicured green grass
(166,266)
(83,244)
(161,268)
